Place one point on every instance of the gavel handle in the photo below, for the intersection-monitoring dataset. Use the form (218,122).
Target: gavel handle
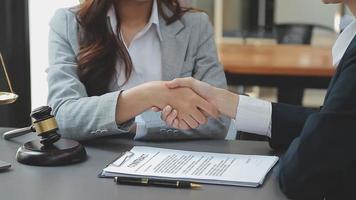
(18,132)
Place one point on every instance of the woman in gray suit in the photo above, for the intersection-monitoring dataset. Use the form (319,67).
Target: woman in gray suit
(108,61)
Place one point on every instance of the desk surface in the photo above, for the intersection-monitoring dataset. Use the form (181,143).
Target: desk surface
(285,60)
(80,181)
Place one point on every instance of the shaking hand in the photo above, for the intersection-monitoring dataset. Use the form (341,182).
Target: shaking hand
(225,101)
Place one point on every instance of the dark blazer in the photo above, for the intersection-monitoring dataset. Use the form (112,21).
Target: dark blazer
(321,157)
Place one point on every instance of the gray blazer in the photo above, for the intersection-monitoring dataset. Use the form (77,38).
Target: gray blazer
(188,49)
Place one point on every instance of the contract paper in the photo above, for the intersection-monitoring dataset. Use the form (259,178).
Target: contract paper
(199,167)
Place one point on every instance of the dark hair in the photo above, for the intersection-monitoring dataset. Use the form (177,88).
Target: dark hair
(99,48)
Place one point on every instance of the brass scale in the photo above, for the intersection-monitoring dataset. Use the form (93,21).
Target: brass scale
(7,97)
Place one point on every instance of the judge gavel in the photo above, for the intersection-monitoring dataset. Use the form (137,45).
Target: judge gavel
(43,123)
(50,149)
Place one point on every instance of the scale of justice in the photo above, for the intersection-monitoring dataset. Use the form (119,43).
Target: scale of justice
(49,149)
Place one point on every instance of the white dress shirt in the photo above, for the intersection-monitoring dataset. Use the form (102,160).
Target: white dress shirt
(343,41)
(255,115)
(145,53)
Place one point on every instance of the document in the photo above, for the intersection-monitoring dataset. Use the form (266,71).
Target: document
(199,167)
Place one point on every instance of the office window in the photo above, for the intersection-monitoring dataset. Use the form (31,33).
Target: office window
(313,12)
(40,14)
(253,18)
(257,18)
(240,18)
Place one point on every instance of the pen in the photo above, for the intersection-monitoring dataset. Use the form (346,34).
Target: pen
(156,182)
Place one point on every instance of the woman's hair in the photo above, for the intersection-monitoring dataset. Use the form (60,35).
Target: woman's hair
(99,47)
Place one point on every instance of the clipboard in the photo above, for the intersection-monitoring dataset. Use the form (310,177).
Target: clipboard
(100,175)
(195,166)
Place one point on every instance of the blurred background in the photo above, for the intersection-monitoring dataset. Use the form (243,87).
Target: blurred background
(254,37)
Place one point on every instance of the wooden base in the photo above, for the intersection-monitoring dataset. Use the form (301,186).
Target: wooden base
(63,152)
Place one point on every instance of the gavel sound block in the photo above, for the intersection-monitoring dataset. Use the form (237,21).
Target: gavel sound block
(50,149)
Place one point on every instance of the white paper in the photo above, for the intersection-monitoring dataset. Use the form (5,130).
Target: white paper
(201,167)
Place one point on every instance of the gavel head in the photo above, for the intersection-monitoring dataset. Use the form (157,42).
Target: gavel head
(45,125)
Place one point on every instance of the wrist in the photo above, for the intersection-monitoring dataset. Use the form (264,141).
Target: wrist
(226,102)
(156,93)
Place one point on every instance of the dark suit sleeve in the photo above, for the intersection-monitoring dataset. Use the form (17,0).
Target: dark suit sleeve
(321,158)
(289,121)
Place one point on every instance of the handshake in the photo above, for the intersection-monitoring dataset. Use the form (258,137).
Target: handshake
(186,103)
